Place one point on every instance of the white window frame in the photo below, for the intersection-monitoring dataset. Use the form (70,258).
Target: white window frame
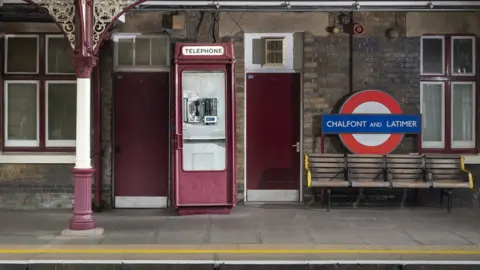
(47,38)
(55,143)
(5,60)
(473,56)
(463,144)
(437,144)
(443,55)
(133,68)
(20,143)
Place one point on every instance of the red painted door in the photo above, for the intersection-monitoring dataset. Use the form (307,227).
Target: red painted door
(141,134)
(273,128)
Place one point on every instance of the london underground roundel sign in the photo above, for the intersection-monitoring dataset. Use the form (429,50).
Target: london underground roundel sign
(371,102)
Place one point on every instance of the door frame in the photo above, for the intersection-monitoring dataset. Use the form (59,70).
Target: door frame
(142,202)
(292,66)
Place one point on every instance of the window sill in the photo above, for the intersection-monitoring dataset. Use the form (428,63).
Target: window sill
(37,158)
(472,159)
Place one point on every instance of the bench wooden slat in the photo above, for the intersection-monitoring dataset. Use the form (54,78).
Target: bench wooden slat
(329,165)
(444,171)
(366,170)
(330,159)
(442,161)
(406,170)
(314,155)
(404,165)
(364,165)
(443,166)
(326,169)
(370,184)
(411,184)
(450,184)
(328,175)
(335,183)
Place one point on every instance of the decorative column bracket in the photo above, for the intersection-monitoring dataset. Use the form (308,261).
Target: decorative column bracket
(64,12)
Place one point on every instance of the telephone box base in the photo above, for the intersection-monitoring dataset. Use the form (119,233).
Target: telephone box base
(202,210)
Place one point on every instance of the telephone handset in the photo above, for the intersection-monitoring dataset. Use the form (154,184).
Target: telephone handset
(197,110)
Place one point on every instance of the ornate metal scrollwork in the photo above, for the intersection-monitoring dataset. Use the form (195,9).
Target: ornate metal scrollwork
(103,13)
(63,11)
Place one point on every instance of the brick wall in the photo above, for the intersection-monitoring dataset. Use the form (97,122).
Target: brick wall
(378,63)
(25,186)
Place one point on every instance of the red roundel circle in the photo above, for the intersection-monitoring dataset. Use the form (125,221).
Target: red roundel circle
(374,102)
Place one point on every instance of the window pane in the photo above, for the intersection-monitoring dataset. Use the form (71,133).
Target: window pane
(22,111)
(432,113)
(62,106)
(203,106)
(142,52)
(432,56)
(22,54)
(462,56)
(59,60)
(463,112)
(159,51)
(125,52)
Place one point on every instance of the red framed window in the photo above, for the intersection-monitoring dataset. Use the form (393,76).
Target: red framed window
(39,94)
(448,93)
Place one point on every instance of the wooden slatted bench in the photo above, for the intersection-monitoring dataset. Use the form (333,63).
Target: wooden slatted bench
(447,172)
(406,172)
(392,171)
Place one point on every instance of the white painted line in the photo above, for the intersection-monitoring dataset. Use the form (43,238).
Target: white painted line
(247,262)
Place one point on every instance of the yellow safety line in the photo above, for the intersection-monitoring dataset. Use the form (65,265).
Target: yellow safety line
(239,251)
(309,174)
(470,177)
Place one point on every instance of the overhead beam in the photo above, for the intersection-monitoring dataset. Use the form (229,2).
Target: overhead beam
(295,5)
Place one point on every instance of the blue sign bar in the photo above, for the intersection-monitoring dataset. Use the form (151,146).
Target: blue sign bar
(371,123)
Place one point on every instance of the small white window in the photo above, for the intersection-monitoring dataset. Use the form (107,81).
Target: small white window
(463,114)
(463,56)
(21,54)
(21,101)
(58,58)
(432,55)
(61,113)
(274,52)
(141,52)
(432,107)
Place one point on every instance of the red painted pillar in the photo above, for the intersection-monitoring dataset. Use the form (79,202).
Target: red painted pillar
(82,218)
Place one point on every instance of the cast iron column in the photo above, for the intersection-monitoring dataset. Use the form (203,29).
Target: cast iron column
(84,61)
(82,218)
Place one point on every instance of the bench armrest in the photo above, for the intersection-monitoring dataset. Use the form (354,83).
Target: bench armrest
(470,177)
(307,170)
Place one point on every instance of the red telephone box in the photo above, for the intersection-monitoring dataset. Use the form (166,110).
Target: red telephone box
(204,178)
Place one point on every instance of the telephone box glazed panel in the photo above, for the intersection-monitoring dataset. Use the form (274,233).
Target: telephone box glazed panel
(204,129)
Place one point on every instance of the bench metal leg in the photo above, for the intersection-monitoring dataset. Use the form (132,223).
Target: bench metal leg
(313,199)
(329,193)
(442,193)
(359,197)
(404,198)
(449,206)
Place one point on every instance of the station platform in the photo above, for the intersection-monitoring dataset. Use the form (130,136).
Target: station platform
(251,235)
